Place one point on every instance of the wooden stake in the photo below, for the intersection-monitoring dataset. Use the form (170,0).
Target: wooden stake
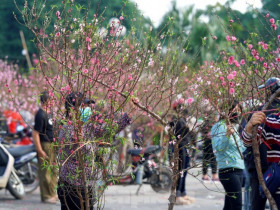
(26,50)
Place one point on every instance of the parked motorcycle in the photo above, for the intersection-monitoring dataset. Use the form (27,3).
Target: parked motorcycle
(8,176)
(26,165)
(146,170)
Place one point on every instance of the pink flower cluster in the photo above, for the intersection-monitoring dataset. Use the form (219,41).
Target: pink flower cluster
(231,38)
(273,25)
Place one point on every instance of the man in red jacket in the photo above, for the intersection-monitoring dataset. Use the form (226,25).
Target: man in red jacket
(13,119)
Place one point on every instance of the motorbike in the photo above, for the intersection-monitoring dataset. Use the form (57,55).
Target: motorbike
(21,147)
(22,137)
(25,165)
(8,176)
(146,170)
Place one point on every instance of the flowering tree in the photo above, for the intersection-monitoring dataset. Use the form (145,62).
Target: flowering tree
(131,74)
(120,73)
(19,91)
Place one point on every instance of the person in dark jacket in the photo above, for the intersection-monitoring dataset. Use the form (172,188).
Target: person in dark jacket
(208,158)
(183,135)
(257,202)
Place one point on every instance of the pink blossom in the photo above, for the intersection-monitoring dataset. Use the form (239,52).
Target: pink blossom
(265,65)
(231,91)
(274,26)
(181,101)
(230,60)
(88,39)
(278,37)
(233,38)
(121,17)
(231,21)
(129,77)
(265,46)
(57,34)
(190,100)
(278,59)
(222,79)
(242,62)
(236,63)
(250,46)
(15,82)
(174,105)
(267,15)
(271,20)
(58,15)
(35,61)
(228,38)
(215,37)
(234,73)
(85,71)
(230,77)
(69,122)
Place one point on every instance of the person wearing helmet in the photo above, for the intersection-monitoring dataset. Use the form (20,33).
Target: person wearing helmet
(258,202)
(78,179)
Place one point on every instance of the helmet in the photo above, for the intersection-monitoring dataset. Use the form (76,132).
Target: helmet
(73,99)
(272,83)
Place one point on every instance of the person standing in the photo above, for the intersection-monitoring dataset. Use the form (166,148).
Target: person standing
(78,179)
(42,137)
(269,134)
(183,135)
(227,147)
(258,202)
(209,158)
(14,119)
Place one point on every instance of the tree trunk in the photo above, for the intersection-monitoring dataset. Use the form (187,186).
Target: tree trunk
(172,197)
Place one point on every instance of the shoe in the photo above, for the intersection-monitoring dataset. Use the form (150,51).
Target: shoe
(215,180)
(56,197)
(207,179)
(52,200)
(182,201)
(188,198)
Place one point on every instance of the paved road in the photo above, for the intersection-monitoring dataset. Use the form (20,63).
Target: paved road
(208,197)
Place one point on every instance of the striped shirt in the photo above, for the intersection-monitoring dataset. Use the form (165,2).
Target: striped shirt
(268,133)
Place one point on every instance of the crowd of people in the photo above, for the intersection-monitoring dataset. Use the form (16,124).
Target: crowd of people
(227,149)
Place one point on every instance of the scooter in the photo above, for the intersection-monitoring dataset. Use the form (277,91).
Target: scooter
(8,176)
(22,137)
(25,165)
(146,171)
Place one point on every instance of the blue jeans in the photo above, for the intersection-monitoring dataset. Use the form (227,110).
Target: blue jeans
(247,191)
(184,161)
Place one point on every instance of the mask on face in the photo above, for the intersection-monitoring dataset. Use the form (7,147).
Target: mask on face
(234,117)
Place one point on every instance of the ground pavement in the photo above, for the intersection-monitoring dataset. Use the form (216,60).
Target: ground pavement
(208,197)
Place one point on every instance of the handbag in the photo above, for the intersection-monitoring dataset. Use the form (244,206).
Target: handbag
(271,179)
